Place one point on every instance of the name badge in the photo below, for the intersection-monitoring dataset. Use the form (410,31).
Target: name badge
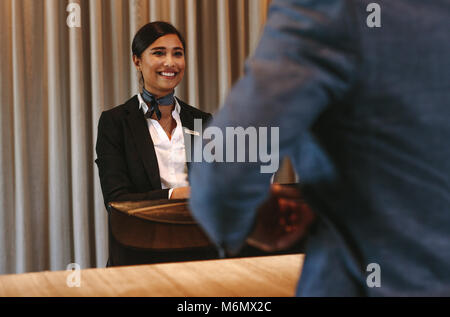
(186,130)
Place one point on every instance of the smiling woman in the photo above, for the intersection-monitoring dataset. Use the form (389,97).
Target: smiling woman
(141,152)
(162,64)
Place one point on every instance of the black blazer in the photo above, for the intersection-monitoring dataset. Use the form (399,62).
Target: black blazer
(126,157)
(129,171)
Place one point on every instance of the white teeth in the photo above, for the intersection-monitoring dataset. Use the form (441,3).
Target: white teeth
(168,74)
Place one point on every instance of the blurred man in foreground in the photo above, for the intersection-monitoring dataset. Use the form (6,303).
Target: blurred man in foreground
(364,113)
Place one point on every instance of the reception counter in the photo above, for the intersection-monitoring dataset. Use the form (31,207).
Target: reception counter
(267,276)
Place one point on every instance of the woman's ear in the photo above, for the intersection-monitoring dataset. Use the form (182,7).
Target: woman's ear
(137,62)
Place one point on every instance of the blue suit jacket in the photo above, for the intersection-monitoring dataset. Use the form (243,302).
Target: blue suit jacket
(364,113)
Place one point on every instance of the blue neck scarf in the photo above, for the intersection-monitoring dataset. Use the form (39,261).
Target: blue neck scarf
(167,100)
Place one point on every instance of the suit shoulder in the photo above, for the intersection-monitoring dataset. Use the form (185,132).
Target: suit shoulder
(196,113)
(122,109)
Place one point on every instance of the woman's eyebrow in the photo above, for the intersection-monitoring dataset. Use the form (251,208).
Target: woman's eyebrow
(164,48)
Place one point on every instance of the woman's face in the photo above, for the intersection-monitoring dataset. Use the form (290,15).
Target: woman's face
(162,65)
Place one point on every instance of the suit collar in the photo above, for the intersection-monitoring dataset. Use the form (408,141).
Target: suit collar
(187,119)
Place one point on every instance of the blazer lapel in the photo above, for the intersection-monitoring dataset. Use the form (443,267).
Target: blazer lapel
(187,121)
(139,129)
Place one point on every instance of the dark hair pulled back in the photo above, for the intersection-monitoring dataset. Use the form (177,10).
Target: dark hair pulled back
(150,33)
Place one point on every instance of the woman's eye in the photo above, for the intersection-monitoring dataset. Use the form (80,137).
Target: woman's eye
(178,54)
(158,53)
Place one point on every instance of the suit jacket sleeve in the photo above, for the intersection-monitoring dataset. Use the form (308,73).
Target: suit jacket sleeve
(304,63)
(115,182)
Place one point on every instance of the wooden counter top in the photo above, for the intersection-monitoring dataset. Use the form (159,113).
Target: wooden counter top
(268,276)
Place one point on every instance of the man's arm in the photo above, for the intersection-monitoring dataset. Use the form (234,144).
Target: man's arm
(303,64)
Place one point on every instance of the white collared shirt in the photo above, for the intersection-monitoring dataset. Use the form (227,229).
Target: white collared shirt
(171,154)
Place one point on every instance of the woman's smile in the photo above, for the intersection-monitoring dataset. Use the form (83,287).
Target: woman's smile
(168,74)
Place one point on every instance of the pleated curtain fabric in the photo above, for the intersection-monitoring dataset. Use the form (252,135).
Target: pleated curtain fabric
(55,82)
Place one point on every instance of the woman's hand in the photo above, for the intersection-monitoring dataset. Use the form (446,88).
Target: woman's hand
(181,193)
(282,221)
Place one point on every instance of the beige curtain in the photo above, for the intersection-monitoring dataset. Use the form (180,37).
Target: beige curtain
(56,81)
